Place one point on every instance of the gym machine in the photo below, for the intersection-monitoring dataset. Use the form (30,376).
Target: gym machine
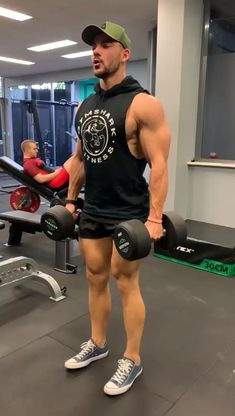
(22,221)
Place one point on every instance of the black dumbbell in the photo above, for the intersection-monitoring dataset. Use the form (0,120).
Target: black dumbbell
(57,201)
(58,223)
(133,242)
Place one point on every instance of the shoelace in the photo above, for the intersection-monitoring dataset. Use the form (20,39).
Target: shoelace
(124,368)
(86,347)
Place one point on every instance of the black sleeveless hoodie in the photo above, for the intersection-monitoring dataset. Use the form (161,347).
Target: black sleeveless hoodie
(115,187)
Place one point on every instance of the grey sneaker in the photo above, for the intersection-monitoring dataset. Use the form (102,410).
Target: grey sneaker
(89,352)
(124,377)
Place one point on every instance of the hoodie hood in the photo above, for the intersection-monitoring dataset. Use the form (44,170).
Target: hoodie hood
(129,84)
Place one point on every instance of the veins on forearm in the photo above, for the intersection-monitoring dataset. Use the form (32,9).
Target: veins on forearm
(158,185)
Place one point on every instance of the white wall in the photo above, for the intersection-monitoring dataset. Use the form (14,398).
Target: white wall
(211,195)
(190,74)
(139,70)
(168,76)
(199,193)
(178,65)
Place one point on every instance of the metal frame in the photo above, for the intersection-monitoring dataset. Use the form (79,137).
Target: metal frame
(152,58)
(3,104)
(32,109)
(16,271)
(202,82)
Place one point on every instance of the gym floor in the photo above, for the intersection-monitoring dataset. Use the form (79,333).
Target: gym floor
(187,351)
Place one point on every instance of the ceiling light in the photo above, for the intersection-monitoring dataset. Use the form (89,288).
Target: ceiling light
(53,45)
(77,54)
(14,15)
(16,61)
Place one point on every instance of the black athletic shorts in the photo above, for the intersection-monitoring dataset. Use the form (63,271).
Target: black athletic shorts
(89,227)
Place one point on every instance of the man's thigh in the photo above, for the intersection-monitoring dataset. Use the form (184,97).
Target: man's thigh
(97,254)
(59,180)
(123,267)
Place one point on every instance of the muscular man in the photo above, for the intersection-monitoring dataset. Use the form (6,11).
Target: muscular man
(121,128)
(36,168)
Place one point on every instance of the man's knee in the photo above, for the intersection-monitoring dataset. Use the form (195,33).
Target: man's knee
(123,269)
(97,279)
(126,283)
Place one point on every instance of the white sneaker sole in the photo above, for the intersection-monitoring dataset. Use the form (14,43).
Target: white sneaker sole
(74,365)
(120,390)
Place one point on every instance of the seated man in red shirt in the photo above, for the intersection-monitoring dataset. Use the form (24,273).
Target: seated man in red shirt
(36,168)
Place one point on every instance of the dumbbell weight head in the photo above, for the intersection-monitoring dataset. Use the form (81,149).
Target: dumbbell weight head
(80,204)
(79,209)
(132,240)
(58,223)
(175,231)
(57,201)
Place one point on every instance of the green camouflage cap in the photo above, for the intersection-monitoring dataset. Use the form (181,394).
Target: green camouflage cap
(113,30)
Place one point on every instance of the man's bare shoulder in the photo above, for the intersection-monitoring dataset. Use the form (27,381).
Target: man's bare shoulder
(146,107)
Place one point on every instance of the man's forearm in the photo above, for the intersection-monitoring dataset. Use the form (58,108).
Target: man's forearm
(41,178)
(158,186)
(76,178)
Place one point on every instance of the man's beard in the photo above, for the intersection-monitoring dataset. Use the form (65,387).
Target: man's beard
(106,72)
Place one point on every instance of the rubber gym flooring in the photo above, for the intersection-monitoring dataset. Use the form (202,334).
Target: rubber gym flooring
(187,351)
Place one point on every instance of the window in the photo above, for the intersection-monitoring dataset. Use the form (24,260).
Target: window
(216,117)
(54,121)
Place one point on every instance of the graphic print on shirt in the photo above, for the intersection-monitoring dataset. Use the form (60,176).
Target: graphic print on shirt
(97,131)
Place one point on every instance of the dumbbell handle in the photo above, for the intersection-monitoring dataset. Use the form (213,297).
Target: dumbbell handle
(163,235)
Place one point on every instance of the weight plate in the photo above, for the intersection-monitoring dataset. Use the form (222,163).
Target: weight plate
(132,240)
(24,199)
(58,223)
(175,231)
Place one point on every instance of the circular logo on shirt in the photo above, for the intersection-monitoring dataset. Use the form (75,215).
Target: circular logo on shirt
(94,132)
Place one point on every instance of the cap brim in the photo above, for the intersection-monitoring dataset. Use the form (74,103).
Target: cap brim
(90,32)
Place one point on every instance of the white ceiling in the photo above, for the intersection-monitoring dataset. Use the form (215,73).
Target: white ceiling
(64,19)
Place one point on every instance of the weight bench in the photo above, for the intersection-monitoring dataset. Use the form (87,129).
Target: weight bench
(22,221)
(17,172)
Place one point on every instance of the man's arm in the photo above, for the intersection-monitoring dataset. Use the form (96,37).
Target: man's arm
(154,138)
(41,178)
(76,177)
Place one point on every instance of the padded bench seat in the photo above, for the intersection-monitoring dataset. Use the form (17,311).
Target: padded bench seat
(21,221)
(19,216)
